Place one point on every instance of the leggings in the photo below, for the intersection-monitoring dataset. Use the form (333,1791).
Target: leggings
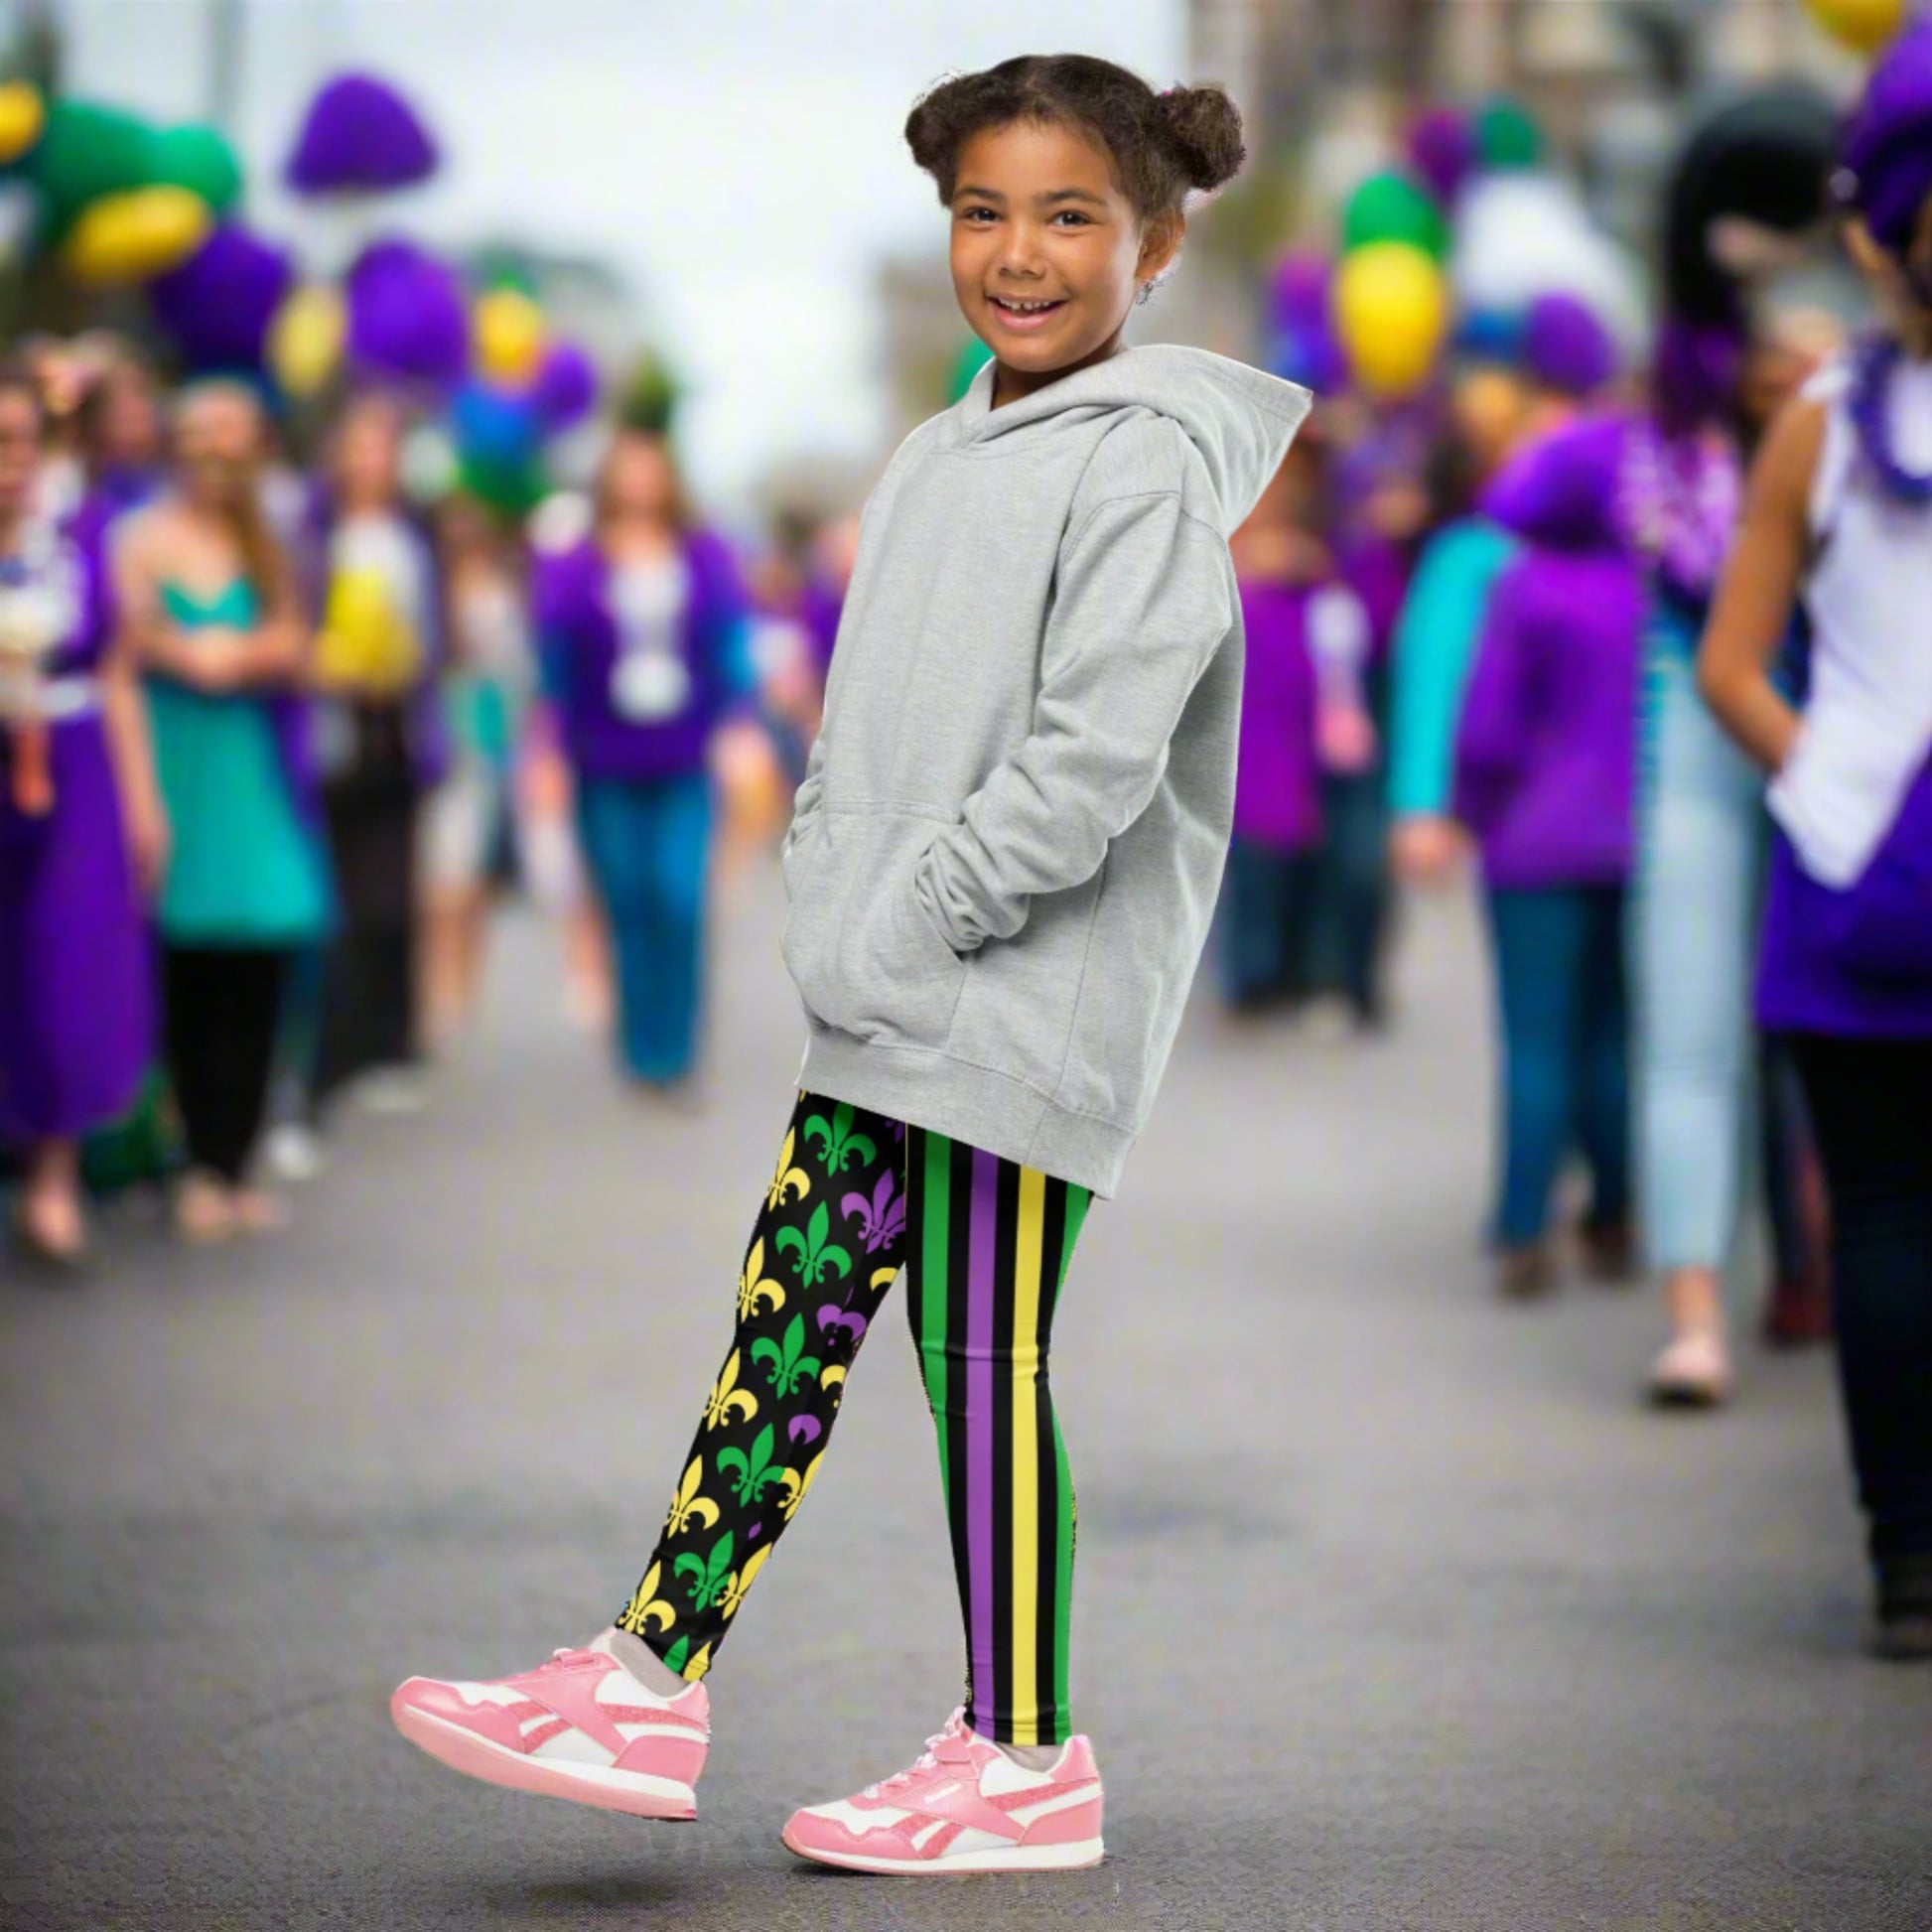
(985,1244)
(220,1006)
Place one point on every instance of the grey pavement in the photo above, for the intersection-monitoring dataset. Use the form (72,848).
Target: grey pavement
(1394,1608)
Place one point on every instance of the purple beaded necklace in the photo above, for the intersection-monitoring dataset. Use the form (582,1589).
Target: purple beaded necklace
(1871,410)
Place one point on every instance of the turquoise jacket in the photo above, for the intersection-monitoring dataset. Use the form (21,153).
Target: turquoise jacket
(1435,645)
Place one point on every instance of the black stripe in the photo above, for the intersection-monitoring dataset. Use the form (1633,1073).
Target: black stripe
(1046,1623)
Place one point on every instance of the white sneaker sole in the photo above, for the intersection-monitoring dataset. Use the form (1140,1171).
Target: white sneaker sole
(634,1792)
(1076,1857)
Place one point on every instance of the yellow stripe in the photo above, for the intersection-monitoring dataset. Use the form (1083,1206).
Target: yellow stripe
(1025,1458)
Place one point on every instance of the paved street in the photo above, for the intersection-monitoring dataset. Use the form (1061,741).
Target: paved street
(1394,1609)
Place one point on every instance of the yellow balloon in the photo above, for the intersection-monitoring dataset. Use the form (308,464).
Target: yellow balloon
(365,644)
(1391,313)
(133,237)
(507,330)
(1865,25)
(305,340)
(22,116)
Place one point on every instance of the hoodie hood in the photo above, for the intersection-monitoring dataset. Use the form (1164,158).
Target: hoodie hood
(1561,491)
(1240,419)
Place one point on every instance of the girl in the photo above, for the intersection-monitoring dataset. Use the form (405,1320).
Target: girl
(209,605)
(1006,851)
(644,634)
(378,740)
(1841,503)
(74,1000)
(1544,764)
(485,686)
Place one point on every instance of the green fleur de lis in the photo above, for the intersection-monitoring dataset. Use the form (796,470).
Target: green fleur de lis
(704,1576)
(817,1254)
(790,1365)
(843,1148)
(755,1474)
(647,1607)
(788,1178)
(753,1288)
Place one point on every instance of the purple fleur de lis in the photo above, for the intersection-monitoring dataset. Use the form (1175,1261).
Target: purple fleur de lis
(881,1219)
(832,1317)
(806,1428)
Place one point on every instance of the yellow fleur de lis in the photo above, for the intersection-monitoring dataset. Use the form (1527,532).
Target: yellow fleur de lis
(687,1506)
(787,1176)
(882,1278)
(752,1290)
(727,1397)
(832,1377)
(647,1607)
(792,1486)
(698,1665)
(741,1583)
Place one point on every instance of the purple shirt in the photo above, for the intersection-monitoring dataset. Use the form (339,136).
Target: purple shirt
(1277,796)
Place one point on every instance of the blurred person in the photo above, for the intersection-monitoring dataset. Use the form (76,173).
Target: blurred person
(211,612)
(1750,180)
(121,440)
(1840,513)
(1283,573)
(645,638)
(1568,358)
(1545,761)
(487,681)
(379,745)
(79,821)
(1001,870)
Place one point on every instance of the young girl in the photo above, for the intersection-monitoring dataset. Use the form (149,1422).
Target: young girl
(644,630)
(1841,505)
(1005,855)
(209,605)
(77,817)
(1545,757)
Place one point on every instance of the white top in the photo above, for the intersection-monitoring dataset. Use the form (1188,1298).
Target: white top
(1868,724)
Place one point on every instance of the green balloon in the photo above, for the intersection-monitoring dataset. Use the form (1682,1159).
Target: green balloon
(1391,208)
(1507,138)
(972,358)
(201,161)
(512,487)
(85,153)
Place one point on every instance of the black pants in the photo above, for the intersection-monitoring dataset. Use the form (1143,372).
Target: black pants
(221,1005)
(1871,1110)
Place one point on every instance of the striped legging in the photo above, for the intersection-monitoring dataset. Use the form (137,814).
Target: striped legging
(986,1244)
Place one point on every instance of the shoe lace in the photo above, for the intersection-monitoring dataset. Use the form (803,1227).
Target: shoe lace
(926,1761)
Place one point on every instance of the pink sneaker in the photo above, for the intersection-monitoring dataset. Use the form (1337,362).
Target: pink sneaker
(965,1806)
(580,1726)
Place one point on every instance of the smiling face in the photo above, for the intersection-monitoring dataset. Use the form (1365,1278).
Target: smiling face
(1047,254)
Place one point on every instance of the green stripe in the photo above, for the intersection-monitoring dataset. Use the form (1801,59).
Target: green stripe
(938,1207)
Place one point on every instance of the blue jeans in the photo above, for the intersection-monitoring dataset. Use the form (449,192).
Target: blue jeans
(647,845)
(1559,979)
(1264,901)
(1699,871)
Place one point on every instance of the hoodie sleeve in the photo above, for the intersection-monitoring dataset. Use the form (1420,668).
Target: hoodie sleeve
(1145,599)
(1497,708)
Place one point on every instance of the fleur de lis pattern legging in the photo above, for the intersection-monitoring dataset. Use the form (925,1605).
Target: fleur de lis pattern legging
(985,1244)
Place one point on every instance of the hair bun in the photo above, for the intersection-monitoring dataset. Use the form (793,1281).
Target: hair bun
(1203,128)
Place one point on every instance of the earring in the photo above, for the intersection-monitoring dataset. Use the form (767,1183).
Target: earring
(1140,300)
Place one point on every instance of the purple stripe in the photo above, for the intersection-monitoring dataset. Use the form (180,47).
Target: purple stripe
(979,1430)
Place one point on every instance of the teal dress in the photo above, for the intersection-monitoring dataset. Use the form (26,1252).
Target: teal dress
(243,870)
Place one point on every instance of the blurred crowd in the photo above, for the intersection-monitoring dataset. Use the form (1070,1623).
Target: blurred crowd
(282,735)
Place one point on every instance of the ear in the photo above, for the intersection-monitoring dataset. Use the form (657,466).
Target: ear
(1160,242)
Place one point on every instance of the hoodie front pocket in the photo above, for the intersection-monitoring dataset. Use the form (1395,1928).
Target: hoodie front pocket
(864,957)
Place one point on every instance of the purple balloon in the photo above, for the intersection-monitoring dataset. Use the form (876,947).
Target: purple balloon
(1299,292)
(360,136)
(217,304)
(566,386)
(406,313)
(1565,348)
(1442,150)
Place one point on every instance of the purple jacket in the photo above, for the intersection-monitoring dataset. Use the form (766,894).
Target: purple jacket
(1547,750)
(580,645)
(1277,796)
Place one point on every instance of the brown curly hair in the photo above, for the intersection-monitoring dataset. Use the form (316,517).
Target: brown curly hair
(1163,145)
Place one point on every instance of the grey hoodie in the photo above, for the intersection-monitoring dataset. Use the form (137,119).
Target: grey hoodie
(1009,838)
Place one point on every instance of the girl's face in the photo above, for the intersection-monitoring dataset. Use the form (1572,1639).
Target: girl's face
(638,480)
(128,425)
(217,437)
(19,451)
(1047,254)
(369,457)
